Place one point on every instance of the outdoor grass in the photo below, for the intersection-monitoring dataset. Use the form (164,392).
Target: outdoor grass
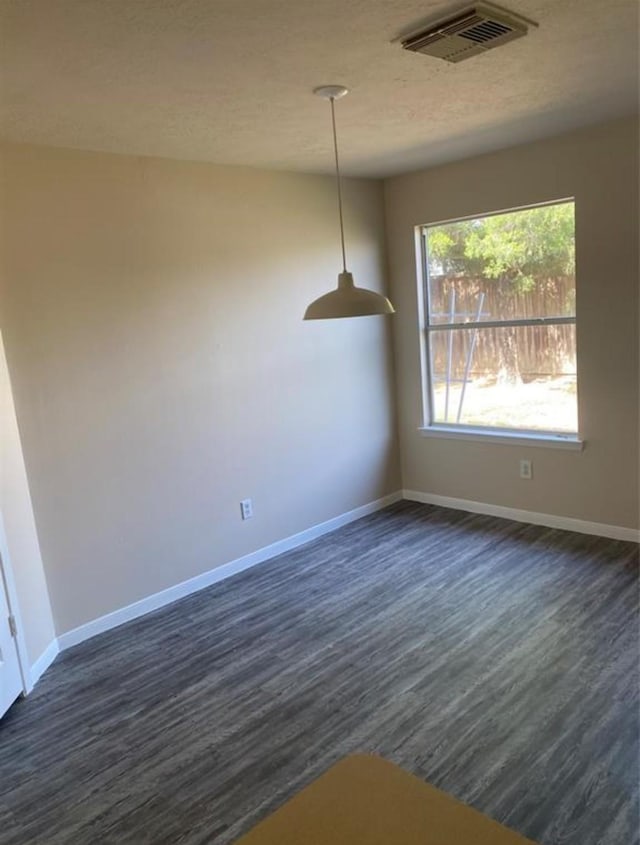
(543,404)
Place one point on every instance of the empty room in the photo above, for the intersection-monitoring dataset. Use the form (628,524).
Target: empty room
(319,422)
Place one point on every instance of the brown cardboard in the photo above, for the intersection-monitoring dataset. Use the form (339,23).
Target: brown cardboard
(365,800)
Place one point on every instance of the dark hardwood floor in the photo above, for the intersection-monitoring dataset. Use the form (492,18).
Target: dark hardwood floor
(496,660)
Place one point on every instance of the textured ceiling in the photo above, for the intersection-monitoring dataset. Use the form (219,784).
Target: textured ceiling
(230,81)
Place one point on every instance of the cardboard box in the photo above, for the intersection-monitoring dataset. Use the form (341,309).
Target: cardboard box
(365,800)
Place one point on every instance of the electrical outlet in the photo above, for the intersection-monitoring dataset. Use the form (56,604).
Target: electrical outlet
(526,470)
(246,508)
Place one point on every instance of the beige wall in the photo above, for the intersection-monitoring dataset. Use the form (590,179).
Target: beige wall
(599,167)
(162,371)
(16,514)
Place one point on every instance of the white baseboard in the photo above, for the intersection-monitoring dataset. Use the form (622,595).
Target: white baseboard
(44,661)
(213,576)
(220,573)
(567,523)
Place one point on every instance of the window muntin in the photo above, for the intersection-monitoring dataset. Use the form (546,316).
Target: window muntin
(499,328)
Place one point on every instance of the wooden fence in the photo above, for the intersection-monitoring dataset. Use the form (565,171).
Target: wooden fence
(531,350)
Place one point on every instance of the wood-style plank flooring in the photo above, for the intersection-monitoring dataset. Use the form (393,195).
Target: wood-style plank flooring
(496,660)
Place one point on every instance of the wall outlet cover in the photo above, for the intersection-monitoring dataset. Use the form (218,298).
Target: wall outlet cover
(526,469)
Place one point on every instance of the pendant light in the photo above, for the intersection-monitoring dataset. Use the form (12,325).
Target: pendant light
(346,300)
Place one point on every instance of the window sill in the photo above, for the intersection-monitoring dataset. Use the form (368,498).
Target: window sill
(516,438)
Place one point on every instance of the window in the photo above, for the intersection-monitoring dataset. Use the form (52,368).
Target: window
(499,324)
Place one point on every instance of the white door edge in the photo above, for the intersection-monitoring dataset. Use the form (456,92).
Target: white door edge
(6,575)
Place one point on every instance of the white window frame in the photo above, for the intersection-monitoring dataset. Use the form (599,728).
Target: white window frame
(460,431)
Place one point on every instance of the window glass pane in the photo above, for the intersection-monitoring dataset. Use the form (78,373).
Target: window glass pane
(517,265)
(520,377)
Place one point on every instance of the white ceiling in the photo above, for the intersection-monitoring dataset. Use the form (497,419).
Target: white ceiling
(230,81)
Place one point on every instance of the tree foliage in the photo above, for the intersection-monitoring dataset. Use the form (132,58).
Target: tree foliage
(521,247)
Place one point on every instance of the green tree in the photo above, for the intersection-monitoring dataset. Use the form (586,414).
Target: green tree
(533,244)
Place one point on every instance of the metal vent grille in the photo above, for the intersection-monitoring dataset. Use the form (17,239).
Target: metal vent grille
(485,31)
(469,33)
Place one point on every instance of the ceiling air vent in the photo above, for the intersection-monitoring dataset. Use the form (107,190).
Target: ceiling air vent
(468,33)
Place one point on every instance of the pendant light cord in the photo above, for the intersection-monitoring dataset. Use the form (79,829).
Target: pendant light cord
(335,148)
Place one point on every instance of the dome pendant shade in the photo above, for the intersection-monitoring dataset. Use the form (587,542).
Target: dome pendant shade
(347,300)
